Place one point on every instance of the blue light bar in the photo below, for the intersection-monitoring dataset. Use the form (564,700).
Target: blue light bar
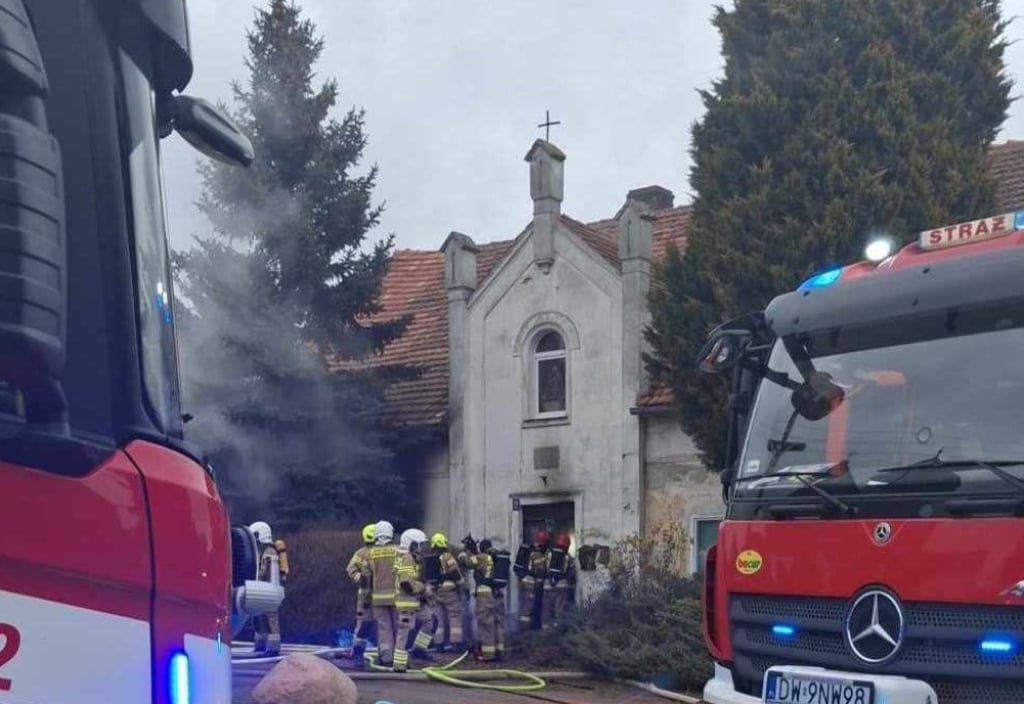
(179,679)
(997,646)
(822,279)
(783,631)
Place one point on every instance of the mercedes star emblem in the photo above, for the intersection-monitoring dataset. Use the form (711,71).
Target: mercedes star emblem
(883,531)
(874,627)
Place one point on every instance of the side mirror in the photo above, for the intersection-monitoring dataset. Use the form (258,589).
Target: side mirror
(210,131)
(817,397)
(723,350)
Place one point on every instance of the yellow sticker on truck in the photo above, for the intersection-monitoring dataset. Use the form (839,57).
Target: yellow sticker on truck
(749,562)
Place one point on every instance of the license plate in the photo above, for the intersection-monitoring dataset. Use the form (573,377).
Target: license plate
(789,688)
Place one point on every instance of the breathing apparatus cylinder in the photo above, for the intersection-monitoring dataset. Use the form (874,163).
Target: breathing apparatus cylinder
(556,564)
(432,568)
(522,563)
(502,560)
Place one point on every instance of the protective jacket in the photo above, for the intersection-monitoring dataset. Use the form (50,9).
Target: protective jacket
(382,574)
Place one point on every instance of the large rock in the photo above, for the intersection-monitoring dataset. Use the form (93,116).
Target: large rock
(305,679)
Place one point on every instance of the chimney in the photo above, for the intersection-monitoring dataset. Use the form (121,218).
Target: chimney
(651,198)
(547,164)
(460,281)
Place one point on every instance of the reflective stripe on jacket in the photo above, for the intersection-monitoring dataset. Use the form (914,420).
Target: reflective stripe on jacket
(359,566)
(407,572)
(382,574)
(483,570)
(449,568)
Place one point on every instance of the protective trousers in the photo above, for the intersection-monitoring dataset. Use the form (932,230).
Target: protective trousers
(364,621)
(450,612)
(556,600)
(267,632)
(490,623)
(407,622)
(529,602)
(384,619)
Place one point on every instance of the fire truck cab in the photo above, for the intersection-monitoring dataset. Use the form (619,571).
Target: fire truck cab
(116,579)
(873,547)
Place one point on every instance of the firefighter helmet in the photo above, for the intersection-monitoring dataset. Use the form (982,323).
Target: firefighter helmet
(563,541)
(541,537)
(411,539)
(368,533)
(485,545)
(438,541)
(383,532)
(261,531)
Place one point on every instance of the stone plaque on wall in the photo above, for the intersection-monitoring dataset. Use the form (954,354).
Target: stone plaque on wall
(545,457)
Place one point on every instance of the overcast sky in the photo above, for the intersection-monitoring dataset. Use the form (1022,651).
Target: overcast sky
(454,89)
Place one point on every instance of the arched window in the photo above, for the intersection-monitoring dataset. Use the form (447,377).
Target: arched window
(550,381)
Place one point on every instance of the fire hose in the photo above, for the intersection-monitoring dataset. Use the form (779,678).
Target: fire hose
(473,679)
(465,677)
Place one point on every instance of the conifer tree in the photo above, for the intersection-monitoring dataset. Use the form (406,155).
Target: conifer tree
(834,120)
(278,296)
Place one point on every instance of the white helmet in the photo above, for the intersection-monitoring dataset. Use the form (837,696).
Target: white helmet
(383,533)
(413,535)
(261,531)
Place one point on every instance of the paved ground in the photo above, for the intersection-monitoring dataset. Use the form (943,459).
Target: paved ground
(420,692)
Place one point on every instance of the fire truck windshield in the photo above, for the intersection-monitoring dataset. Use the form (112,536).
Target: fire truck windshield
(905,402)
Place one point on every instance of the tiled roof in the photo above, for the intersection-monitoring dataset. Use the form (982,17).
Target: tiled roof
(604,243)
(669,226)
(414,286)
(1006,162)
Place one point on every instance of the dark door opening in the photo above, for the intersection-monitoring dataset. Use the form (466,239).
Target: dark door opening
(556,518)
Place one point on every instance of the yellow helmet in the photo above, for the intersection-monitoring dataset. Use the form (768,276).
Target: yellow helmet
(438,540)
(368,533)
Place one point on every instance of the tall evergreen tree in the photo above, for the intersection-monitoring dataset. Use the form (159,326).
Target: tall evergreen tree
(834,119)
(279,294)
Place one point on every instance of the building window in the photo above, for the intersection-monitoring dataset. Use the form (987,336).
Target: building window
(550,386)
(705,534)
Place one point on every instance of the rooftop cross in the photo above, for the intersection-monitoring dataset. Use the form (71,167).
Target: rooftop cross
(547,124)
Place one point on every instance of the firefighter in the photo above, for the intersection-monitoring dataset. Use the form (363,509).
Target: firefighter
(449,595)
(382,592)
(359,572)
(490,601)
(469,549)
(266,627)
(531,585)
(561,579)
(412,601)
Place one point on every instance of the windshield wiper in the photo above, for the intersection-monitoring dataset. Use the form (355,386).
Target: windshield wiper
(936,462)
(804,478)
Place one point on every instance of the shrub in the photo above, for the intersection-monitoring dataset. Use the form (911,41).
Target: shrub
(646,626)
(320,599)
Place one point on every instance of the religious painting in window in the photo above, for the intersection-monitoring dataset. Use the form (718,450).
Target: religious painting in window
(550,387)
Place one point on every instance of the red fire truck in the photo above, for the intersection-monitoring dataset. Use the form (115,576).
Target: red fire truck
(873,548)
(116,579)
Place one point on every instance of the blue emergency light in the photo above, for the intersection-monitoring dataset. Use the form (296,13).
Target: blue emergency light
(783,631)
(179,680)
(997,646)
(822,279)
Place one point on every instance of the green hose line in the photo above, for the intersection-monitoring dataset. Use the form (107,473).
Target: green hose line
(440,674)
(372,662)
(534,683)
